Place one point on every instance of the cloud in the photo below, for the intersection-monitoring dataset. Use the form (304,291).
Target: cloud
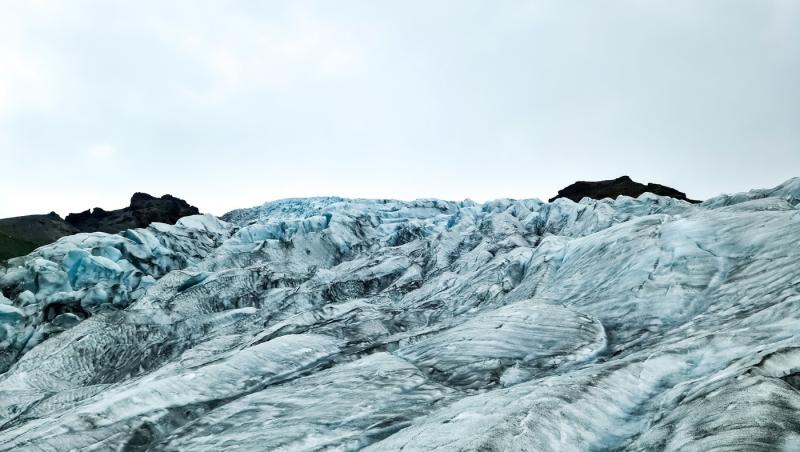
(101,152)
(24,85)
(359,98)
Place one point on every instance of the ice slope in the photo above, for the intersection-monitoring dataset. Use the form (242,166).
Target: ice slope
(329,323)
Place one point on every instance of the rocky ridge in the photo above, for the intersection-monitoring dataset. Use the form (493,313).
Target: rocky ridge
(621,186)
(143,210)
(21,235)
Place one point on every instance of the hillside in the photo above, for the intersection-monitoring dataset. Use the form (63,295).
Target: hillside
(21,235)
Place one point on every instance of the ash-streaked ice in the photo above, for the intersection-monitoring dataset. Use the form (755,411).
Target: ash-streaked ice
(642,323)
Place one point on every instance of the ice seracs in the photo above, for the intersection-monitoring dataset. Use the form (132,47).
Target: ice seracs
(58,285)
(305,324)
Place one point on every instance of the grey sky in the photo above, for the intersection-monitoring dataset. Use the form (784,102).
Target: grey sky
(230,104)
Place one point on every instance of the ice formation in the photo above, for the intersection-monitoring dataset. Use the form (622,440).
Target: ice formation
(330,323)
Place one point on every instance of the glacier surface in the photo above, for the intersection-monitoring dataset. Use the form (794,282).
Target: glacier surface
(347,324)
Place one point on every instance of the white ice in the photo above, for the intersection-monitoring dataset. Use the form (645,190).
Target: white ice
(330,323)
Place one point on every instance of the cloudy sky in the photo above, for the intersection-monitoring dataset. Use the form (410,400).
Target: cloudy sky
(230,104)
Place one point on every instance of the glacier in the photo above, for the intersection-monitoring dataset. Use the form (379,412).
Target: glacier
(347,324)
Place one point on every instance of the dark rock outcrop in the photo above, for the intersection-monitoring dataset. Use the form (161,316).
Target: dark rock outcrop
(144,209)
(612,188)
(21,235)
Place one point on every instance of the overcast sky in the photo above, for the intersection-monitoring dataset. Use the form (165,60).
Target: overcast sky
(231,104)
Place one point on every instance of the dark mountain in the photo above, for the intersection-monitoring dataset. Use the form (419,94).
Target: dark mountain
(144,209)
(612,188)
(21,235)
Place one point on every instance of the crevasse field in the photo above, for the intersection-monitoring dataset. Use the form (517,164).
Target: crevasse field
(339,324)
